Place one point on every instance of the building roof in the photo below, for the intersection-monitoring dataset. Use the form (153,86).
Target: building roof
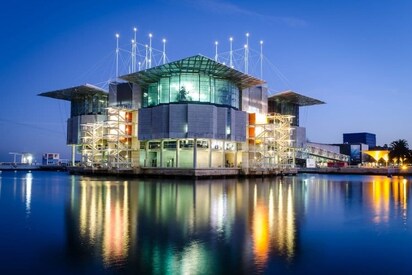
(295,98)
(77,92)
(194,64)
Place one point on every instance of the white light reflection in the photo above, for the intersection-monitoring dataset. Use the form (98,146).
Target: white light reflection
(29,180)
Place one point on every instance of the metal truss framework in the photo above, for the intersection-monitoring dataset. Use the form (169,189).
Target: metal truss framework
(270,143)
(320,154)
(110,144)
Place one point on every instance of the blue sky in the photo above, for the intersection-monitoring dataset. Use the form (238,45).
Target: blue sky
(354,55)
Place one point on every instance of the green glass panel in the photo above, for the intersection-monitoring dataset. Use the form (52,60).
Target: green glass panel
(174,88)
(153,95)
(164,90)
(204,88)
(189,87)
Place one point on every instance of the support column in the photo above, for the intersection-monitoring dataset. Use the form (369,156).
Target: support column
(223,154)
(235,161)
(161,154)
(177,152)
(210,153)
(195,154)
(73,154)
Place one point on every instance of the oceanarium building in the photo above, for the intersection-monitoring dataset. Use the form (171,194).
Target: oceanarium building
(193,114)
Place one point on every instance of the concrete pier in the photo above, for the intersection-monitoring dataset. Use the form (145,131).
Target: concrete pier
(183,173)
(359,170)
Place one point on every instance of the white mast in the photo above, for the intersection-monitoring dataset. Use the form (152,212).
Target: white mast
(247,53)
(117,55)
(150,50)
(164,50)
(231,53)
(132,67)
(245,46)
(261,59)
(216,56)
(146,60)
(134,50)
(140,65)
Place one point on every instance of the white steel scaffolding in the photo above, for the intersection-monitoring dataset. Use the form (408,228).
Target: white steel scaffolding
(270,142)
(113,143)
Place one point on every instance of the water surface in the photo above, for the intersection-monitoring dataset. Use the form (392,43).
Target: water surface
(52,222)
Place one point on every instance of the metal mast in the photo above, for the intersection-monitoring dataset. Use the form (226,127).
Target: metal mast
(164,50)
(247,53)
(134,50)
(117,55)
(231,53)
(216,56)
(261,59)
(146,60)
(150,50)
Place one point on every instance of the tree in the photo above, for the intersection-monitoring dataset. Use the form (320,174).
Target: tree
(399,151)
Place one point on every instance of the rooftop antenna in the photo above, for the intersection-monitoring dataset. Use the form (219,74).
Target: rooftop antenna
(146,59)
(134,50)
(247,53)
(150,50)
(216,56)
(117,55)
(164,50)
(261,59)
(231,53)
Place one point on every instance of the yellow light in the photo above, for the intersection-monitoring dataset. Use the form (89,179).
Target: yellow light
(378,154)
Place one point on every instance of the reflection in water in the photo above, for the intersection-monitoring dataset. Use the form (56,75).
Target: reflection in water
(29,180)
(286,225)
(384,191)
(186,227)
(104,218)
(274,224)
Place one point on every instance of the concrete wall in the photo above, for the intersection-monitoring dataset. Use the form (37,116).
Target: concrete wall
(255,100)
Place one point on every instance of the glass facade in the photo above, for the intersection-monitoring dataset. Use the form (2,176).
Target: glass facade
(93,105)
(188,87)
(173,153)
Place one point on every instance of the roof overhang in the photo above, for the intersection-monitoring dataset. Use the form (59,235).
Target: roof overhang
(194,64)
(294,98)
(78,92)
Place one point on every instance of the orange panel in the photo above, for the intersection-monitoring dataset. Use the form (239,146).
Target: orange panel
(251,132)
(252,118)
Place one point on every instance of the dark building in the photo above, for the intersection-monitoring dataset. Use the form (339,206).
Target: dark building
(365,138)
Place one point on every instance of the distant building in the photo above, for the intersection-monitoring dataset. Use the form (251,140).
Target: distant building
(365,138)
(355,151)
(50,159)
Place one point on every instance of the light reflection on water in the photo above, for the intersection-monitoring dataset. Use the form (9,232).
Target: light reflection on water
(181,227)
(302,224)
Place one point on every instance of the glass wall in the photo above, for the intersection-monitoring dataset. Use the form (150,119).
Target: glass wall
(194,87)
(172,153)
(91,105)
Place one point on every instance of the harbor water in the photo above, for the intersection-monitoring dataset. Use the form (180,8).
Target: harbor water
(52,222)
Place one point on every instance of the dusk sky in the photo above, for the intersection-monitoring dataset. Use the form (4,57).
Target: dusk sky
(354,55)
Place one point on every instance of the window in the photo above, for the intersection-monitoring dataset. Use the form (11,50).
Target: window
(154,145)
(164,90)
(170,144)
(153,95)
(202,143)
(186,144)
